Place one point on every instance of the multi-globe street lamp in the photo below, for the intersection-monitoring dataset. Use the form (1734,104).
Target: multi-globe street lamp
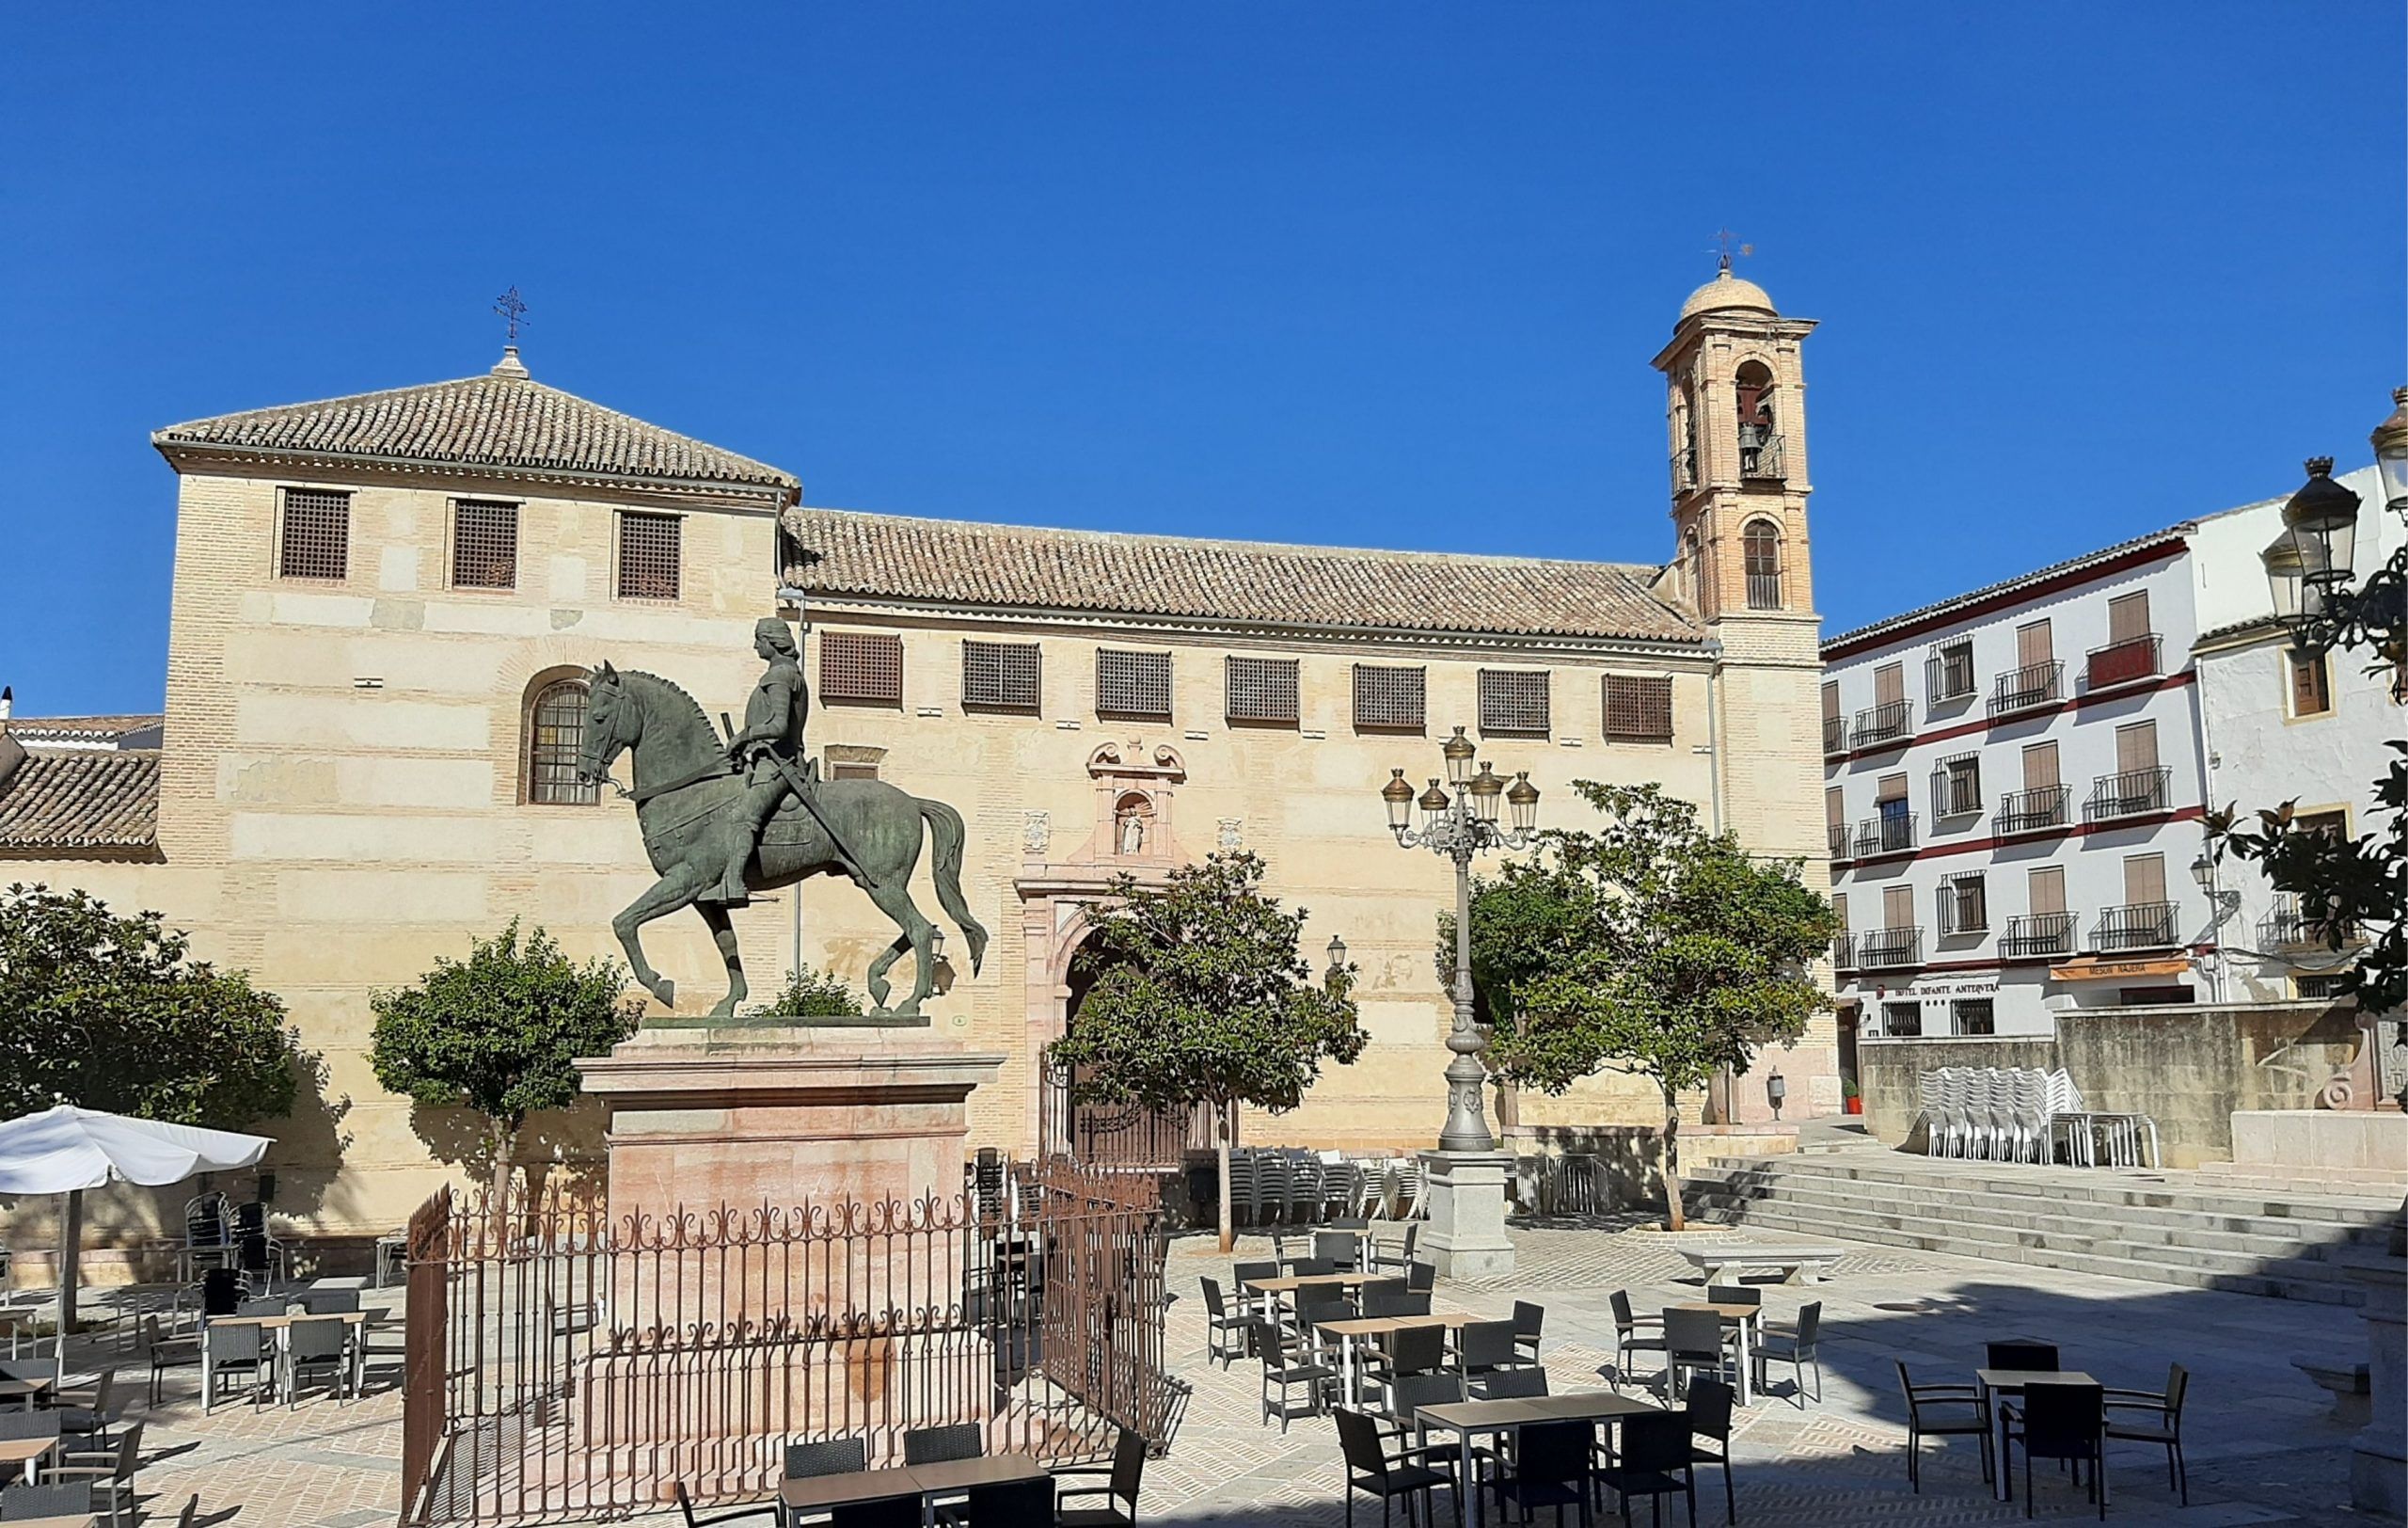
(1458,827)
(2309,567)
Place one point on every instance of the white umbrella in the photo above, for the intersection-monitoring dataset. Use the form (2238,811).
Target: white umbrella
(67,1149)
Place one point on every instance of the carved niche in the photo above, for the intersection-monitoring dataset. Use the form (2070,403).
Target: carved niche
(1134,784)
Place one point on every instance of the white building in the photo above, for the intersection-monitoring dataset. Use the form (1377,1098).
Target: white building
(2015,783)
(2281,727)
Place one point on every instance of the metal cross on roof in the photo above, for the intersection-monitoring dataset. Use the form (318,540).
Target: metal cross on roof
(1723,238)
(513,310)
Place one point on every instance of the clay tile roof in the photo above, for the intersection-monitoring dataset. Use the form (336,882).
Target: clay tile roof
(500,419)
(82,803)
(959,563)
(109,730)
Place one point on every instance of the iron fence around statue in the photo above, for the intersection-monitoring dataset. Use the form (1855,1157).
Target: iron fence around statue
(564,1363)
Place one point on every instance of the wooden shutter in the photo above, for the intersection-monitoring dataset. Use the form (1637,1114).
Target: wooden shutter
(1131,684)
(1513,701)
(1889,684)
(1389,697)
(862,668)
(1835,806)
(316,539)
(2136,747)
(1638,708)
(2039,766)
(1839,909)
(2127,618)
(1898,907)
(1831,700)
(2032,644)
(2045,889)
(2311,684)
(1000,676)
(2144,880)
(1262,688)
(1891,788)
(650,555)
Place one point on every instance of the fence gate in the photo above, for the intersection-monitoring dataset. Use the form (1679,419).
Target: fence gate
(564,1363)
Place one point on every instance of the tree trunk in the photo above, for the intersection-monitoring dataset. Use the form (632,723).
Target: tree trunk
(1672,1168)
(505,1137)
(71,1261)
(1226,1120)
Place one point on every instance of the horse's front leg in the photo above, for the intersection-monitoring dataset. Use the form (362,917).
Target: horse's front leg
(723,936)
(667,894)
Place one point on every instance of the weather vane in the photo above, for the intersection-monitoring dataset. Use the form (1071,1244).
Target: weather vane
(513,310)
(1723,237)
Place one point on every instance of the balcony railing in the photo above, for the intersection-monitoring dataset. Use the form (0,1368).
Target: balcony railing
(2135,925)
(1948,676)
(1835,734)
(2287,927)
(1840,839)
(1954,793)
(2128,793)
(2031,934)
(1892,832)
(2028,811)
(2034,684)
(2121,662)
(1890,722)
(1761,458)
(1763,591)
(1844,953)
(1888,946)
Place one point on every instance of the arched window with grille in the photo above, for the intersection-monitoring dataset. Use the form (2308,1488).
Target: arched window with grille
(1762,541)
(555,731)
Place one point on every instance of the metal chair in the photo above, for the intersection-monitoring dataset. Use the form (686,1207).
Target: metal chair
(2038,1357)
(1508,1384)
(1657,1461)
(1633,1333)
(889,1512)
(1943,1411)
(1482,1346)
(233,1348)
(2166,1429)
(1694,1340)
(109,1474)
(315,1345)
(329,1301)
(1527,1319)
(685,1510)
(1409,1351)
(1287,1362)
(1795,1347)
(84,1411)
(2058,1420)
(67,1499)
(1341,1250)
(934,1445)
(1224,1333)
(1013,1504)
(1548,1466)
(1422,1278)
(166,1353)
(827,1456)
(1709,1414)
(1385,1302)
(1122,1481)
(1371,1468)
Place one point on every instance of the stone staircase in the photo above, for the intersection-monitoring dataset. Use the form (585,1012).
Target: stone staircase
(2168,1228)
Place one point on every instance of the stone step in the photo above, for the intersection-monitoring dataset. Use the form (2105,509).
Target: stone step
(2061,1185)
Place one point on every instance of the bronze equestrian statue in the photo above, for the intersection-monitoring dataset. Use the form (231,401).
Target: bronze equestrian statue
(722,820)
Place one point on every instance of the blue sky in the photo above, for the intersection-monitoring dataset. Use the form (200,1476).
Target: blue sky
(1382,273)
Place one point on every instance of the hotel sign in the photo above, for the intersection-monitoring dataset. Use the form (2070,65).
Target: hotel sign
(2100,968)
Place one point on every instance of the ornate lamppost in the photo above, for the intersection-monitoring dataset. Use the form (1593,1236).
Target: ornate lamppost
(2309,566)
(1459,827)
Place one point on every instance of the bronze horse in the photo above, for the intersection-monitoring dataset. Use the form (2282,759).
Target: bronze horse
(683,784)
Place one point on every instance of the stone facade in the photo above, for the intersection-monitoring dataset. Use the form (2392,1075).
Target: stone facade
(345,790)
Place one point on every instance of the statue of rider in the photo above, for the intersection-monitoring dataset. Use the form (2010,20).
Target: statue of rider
(774,719)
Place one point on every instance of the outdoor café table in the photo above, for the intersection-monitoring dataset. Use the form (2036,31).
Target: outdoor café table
(1745,1318)
(824,1493)
(25,1452)
(55,1522)
(1272,1288)
(20,1392)
(1471,1419)
(2011,1381)
(276,1329)
(1352,1331)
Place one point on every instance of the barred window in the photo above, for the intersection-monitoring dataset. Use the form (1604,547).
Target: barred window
(1639,708)
(316,539)
(1000,676)
(1964,904)
(1956,786)
(1133,685)
(484,545)
(851,760)
(1262,689)
(650,558)
(1389,697)
(861,668)
(1513,701)
(555,732)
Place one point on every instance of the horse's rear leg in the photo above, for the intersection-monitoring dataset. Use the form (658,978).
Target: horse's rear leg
(723,936)
(667,894)
(894,899)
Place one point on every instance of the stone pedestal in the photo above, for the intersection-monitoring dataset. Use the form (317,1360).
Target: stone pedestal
(2379,1458)
(746,1113)
(1466,1192)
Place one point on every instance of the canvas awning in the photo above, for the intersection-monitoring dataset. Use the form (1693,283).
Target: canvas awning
(2110,968)
(64,1149)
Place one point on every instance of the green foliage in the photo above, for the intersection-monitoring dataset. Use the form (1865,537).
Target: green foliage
(811,994)
(1200,996)
(1645,944)
(110,1013)
(497,1032)
(2353,888)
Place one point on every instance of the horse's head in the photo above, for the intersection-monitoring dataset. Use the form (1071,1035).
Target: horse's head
(614,721)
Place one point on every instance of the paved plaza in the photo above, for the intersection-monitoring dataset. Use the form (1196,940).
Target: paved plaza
(2262,1449)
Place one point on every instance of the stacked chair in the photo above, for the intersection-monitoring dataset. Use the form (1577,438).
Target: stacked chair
(2020,1114)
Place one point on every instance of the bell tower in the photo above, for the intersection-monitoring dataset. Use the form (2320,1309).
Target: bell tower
(1736,404)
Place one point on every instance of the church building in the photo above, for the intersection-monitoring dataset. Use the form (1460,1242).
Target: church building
(387,609)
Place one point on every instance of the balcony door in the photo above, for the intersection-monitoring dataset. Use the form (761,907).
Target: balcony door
(1890,685)
(2040,767)
(2144,880)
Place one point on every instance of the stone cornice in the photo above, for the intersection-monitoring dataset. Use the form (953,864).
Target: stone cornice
(652,492)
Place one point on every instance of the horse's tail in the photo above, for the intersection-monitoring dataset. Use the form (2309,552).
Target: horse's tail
(945,834)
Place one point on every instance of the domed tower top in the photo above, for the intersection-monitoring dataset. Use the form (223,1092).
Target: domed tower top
(1725,292)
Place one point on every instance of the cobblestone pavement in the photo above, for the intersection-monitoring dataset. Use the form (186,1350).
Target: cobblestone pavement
(2261,1447)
